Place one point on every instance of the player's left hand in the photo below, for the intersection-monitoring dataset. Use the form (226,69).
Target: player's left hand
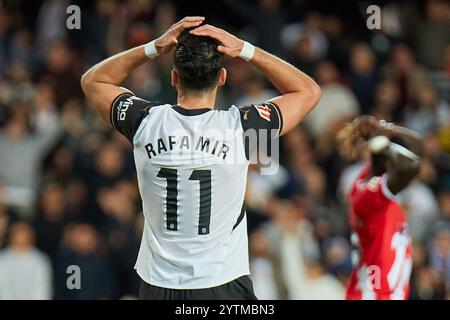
(366,126)
(385,128)
(229,44)
(169,39)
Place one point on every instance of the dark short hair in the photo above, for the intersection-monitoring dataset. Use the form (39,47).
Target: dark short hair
(197,61)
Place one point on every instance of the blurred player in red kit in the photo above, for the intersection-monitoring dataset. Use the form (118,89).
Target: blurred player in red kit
(377,220)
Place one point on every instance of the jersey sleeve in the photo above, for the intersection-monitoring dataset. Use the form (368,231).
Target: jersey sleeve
(127,113)
(261,124)
(370,196)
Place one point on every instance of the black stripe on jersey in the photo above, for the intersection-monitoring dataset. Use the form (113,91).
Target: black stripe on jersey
(240,218)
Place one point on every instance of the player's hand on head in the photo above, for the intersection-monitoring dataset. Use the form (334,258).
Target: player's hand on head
(369,127)
(385,128)
(229,44)
(168,40)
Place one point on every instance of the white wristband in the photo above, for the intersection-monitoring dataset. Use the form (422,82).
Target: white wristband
(378,143)
(247,51)
(150,50)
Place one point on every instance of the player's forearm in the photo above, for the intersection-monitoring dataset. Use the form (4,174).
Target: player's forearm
(411,138)
(284,76)
(402,164)
(299,93)
(101,83)
(115,69)
(399,157)
(403,167)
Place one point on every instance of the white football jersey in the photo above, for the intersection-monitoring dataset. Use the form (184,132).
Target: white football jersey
(192,170)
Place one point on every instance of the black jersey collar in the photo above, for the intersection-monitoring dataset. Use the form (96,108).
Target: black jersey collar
(190,112)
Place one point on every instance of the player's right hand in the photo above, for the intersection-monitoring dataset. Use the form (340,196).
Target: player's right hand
(168,40)
(365,126)
(229,44)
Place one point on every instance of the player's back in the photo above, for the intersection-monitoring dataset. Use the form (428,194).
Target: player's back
(191,169)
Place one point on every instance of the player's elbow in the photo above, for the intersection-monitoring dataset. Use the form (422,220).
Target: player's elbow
(410,168)
(414,167)
(316,92)
(312,93)
(85,81)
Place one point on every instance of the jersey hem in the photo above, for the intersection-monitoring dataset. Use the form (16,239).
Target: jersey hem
(213,285)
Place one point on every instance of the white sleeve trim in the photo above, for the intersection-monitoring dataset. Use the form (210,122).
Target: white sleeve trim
(385,189)
(280,120)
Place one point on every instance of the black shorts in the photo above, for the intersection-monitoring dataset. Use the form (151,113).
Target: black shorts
(239,289)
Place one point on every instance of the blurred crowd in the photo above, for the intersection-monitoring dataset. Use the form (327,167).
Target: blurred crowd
(68,191)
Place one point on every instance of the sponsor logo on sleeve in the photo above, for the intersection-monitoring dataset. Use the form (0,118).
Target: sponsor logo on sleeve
(263,111)
(124,106)
(372,185)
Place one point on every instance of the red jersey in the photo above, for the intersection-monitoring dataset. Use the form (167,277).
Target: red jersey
(385,263)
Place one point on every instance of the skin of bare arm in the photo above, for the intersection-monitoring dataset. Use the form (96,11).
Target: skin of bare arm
(401,164)
(368,127)
(402,167)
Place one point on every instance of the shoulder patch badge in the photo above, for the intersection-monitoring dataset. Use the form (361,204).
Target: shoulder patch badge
(263,111)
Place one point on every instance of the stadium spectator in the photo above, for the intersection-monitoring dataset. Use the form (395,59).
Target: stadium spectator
(82,249)
(440,252)
(25,272)
(264,268)
(49,222)
(428,285)
(255,91)
(421,207)
(432,34)
(310,30)
(387,101)
(305,278)
(406,72)
(428,112)
(25,150)
(267,19)
(363,75)
(337,103)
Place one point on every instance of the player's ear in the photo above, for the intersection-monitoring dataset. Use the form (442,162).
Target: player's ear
(174,78)
(222,77)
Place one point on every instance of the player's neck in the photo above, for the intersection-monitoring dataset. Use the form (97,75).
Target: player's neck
(197,100)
